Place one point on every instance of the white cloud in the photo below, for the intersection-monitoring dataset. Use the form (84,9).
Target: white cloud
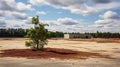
(41,12)
(11,8)
(61,21)
(75,6)
(14,22)
(79,6)
(23,7)
(65,25)
(105,21)
(110,15)
(18,15)
(14,13)
(109,22)
(28,20)
(67,21)
(10,23)
(11,5)
(111,5)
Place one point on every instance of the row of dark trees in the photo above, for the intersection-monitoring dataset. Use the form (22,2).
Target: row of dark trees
(104,35)
(13,32)
(56,34)
(22,32)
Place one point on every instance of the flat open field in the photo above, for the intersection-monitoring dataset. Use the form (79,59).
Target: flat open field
(109,47)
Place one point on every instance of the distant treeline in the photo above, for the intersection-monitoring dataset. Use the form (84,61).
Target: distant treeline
(104,35)
(11,32)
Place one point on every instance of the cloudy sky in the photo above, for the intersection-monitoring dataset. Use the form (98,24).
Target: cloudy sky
(62,15)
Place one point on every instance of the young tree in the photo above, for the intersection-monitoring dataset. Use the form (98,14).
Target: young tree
(97,34)
(37,35)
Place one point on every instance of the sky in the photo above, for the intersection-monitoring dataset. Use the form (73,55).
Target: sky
(62,15)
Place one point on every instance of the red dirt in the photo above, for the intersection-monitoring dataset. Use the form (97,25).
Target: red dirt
(50,53)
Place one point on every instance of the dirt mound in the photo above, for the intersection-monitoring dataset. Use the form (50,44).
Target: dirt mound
(50,53)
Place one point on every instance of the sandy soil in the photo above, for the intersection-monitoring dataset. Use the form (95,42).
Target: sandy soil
(112,49)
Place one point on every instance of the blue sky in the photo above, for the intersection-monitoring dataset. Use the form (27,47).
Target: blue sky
(62,15)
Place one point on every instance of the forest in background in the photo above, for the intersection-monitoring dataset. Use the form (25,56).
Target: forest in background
(11,32)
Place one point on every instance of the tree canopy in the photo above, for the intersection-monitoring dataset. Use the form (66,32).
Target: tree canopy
(37,35)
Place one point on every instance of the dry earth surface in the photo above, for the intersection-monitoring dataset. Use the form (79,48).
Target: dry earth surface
(101,46)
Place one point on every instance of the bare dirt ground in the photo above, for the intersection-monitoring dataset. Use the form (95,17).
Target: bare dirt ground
(105,48)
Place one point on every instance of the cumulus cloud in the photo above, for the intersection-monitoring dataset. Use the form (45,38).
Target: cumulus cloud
(67,21)
(23,7)
(61,21)
(10,23)
(110,15)
(109,22)
(14,9)
(11,5)
(111,5)
(63,24)
(15,15)
(79,6)
(75,6)
(18,15)
(105,21)
(28,20)
(72,25)
(14,23)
